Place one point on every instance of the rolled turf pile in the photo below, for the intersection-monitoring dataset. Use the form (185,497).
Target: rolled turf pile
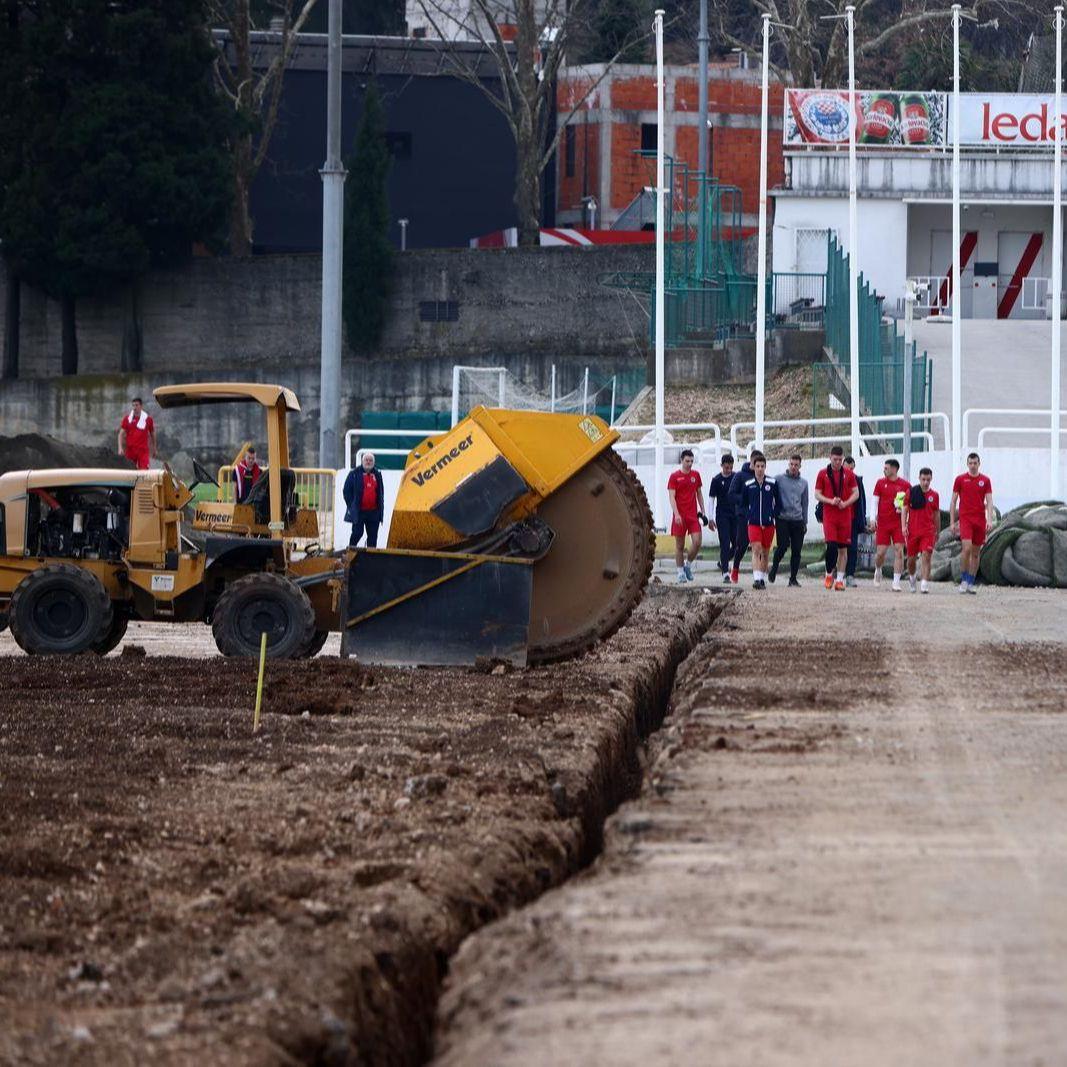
(1027,547)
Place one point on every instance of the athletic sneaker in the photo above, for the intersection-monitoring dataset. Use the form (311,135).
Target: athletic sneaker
(839,585)
(688,572)
(963,588)
(972,589)
(877,577)
(850,582)
(828,581)
(896,585)
(735,575)
(911,583)
(726,579)
(682,580)
(794,583)
(759,583)
(924,588)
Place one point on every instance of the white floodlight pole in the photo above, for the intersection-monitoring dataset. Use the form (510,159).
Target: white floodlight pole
(761,253)
(957,281)
(661,311)
(909,308)
(333,206)
(853,242)
(1057,264)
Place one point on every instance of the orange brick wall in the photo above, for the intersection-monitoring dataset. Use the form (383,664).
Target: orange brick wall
(630,173)
(569,196)
(633,94)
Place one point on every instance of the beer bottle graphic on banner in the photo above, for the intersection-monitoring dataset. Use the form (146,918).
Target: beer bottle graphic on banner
(880,120)
(914,119)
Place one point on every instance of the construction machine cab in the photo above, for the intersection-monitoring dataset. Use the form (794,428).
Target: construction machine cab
(270,510)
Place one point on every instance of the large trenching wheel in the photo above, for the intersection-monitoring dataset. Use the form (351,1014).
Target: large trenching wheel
(596,571)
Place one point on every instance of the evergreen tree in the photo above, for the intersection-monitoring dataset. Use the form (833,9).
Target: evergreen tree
(620,27)
(368,258)
(112,152)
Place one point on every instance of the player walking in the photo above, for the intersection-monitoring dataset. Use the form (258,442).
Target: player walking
(891,521)
(923,525)
(726,518)
(687,506)
(761,503)
(973,492)
(837,491)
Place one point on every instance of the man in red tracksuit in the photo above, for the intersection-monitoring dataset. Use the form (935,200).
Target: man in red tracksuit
(687,512)
(973,492)
(137,435)
(837,491)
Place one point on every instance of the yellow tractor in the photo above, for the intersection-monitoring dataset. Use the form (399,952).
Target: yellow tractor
(517,535)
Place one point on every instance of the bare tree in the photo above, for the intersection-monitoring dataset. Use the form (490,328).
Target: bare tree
(254,92)
(813,51)
(527,66)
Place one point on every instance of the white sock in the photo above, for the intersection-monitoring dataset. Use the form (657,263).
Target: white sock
(681,572)
(922,585)
(840,576)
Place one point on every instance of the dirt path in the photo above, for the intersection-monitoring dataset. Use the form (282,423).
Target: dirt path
(175,890)
(875,874)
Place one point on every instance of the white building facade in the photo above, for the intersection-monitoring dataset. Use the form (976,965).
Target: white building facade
(905,207)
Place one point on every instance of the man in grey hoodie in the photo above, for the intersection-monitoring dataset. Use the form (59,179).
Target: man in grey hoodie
(792,521)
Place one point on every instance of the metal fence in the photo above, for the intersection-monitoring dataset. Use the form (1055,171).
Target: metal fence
(881,347)
(797,299)
(313,488)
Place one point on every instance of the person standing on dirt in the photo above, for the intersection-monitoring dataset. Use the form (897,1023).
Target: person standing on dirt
(246,472)
(792,520)
(737,489)
(760,496)
(725,514)
(973,493)
(890,528)
(137,435)
(836,490)
(924,524)
(687,511)
(859,526)
(364,494)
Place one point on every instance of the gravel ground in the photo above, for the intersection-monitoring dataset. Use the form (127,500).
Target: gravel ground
(869,870)
(176,890)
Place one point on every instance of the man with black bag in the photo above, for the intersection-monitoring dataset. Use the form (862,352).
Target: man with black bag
(859,526)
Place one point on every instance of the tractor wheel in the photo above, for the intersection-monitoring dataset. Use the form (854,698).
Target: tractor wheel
(315,646)
(119,621)
(59,610)
(258,604)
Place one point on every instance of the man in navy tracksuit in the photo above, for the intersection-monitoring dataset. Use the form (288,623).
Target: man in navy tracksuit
(761,503)
(737,487)
(725,514)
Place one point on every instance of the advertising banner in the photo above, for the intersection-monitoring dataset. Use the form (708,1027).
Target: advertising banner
(1007,120)
(894,119)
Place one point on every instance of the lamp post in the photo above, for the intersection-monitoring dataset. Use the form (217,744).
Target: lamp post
(956,295)
(761,253)
(661,311)
(1057,262)
(853,243)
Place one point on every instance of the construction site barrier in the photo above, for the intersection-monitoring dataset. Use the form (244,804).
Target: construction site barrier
(314,488)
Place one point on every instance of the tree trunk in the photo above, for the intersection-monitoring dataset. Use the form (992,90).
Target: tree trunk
(12,315)
(528,139)
(132,351)
(528,192)
(70,335)
(240,219)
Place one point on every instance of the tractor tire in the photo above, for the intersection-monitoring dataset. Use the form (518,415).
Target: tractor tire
(263,603)
(315,646)
(119,621)
(60,610)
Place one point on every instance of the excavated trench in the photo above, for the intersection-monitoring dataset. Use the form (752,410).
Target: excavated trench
(168,881)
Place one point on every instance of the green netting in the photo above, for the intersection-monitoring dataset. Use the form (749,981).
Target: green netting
(1027,547)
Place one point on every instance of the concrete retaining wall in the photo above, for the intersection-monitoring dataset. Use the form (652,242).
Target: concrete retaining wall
(735,362)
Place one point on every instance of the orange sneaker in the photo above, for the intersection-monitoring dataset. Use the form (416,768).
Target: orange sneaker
(839,584)
(828,581)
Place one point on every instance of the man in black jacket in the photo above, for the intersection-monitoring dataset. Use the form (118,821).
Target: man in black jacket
(737,493)
(364,501)
(859,525)
(725,514)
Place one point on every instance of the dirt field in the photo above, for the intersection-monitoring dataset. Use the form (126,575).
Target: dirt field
(175,890)
(871,872)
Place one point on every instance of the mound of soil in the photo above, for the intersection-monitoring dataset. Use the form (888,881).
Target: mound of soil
(35,451)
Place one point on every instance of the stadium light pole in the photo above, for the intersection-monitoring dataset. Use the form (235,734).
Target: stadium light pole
(333,202)
(661,194)
(853,243)
(957,281)
(761,245)
(1057,262)
(702,92)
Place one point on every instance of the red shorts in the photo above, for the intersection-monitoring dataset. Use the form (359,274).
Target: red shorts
(837,525)
(760,535)
(972,530)
(139,458)
(892,534)
(689,524)
(920,542)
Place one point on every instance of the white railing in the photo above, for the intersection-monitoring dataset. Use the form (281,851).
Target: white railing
(742,447)
(417,435)
(1045,413)
(1035,293)
(928,293)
